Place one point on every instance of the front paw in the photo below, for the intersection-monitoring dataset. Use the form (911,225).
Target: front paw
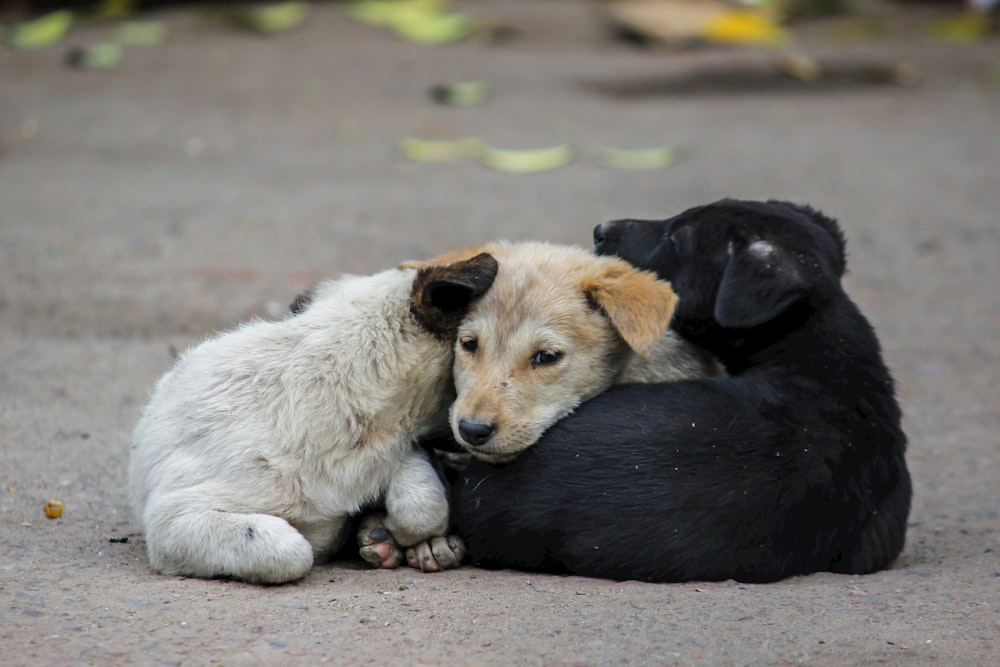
(437,553)
(378,547)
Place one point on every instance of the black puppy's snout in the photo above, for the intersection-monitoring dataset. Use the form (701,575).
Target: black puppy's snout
(598,236)
(608,236)
(475,433)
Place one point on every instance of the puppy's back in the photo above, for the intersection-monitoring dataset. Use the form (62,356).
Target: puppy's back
(310,383)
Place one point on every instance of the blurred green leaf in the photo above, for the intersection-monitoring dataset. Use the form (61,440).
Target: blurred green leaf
(967,28)
(41,32)
(272,19)
(461,94)
(437,150)
(141,33)
(103,55)
(639,159)
(525,161)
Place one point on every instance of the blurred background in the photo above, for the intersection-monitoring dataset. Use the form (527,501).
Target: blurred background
(256,147)
(168,169)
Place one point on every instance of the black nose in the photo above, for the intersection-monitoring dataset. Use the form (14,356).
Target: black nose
(475,433)
(598,236)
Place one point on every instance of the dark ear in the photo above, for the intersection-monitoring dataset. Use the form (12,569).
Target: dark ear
(303,300)
(759,283)
(442,294)
(839,254)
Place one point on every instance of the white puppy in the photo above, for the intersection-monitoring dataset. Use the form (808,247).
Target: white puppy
(259,444)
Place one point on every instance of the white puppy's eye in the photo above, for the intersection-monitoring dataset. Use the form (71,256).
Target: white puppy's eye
(470,344)
(545,358)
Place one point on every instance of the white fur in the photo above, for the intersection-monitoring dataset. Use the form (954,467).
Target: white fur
(260,443)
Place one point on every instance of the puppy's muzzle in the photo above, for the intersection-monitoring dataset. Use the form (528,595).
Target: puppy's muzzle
(475,433)
(627,237)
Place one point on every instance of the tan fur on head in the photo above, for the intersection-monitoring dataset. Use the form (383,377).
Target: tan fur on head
(557,327)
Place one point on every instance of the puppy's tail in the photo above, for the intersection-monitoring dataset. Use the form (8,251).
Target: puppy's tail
(258,548)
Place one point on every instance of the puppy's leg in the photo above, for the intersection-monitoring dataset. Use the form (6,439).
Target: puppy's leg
(417,516)
(191,541)
(415,502)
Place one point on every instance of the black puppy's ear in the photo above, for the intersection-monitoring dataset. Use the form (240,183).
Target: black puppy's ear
(442,294)
(839,256)
(759,283)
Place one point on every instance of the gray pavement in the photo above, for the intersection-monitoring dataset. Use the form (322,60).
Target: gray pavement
(209,179)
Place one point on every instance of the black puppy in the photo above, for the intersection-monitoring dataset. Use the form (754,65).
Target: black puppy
(793,464)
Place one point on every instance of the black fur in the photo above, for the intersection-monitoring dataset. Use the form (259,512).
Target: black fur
(794,464)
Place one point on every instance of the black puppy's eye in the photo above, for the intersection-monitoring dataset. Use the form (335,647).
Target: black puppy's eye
(470,344)
(545,358)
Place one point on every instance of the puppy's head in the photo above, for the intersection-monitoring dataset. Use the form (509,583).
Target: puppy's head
(734,264)
(553,331)
(443,292)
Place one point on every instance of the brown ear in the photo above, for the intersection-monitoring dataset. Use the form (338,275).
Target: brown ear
(638,305)
(450,257)
(442,295)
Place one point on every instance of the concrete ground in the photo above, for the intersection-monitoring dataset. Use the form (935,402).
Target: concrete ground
(211,178)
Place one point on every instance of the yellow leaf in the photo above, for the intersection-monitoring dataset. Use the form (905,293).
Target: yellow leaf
(744,27)
(525,161)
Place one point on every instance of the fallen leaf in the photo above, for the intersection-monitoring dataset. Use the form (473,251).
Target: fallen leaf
(437,150)
(141,33)
(103,55)
(272,19)
(525,161)
(41,32)
(744,27)
(433,28)
(635,159)
(388,12)
(461,94)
